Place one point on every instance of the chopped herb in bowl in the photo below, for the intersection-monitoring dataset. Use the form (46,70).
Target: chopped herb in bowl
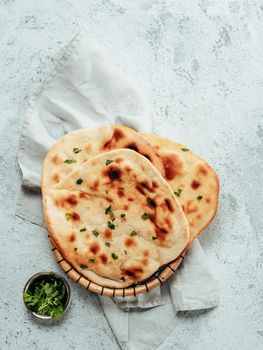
(47,295)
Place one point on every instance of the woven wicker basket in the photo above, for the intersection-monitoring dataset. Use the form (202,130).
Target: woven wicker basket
(141,287)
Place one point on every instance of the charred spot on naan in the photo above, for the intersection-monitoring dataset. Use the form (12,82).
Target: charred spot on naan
(120,192)
(132,146)
(72,237)
(203,170)
(195,184)
(107,233)
(130,242)
(155,184)
(135,272)
(56,159)
(161,234)
(113,173)
(169,205)
(56,177)
(70,200)
(84,195)
(103,258)
(111,143)
(145,261)
(173,166)
(119,160)
(95,185)
(189,207)
(75,217)
(94,248)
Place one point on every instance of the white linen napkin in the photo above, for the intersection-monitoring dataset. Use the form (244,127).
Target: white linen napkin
(84,90)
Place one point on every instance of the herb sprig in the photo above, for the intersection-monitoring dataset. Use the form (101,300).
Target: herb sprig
(47,296)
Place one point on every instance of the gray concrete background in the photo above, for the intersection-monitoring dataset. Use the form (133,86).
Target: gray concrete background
(199,64)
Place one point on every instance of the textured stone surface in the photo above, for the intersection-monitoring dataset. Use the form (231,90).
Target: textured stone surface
(199,64)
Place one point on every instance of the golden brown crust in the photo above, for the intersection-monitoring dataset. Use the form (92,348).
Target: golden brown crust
(141,245)
(191,177)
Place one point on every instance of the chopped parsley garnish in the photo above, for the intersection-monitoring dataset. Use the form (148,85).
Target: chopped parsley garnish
(114,256)
(123,215)
(46,296)
(107,244)
(109,161)
(108,210)
(150,202)
(83,229)
(178,193)
(125,251)
(75,248)
(133,233)
(68,216)
(84,266)
(70,161)
(92,260)
(113,219)
(145,216)
(76,150)
(185,149)
(96,233)
(79,181)
(123,278)
(111,225)
(199,198)
(154,237)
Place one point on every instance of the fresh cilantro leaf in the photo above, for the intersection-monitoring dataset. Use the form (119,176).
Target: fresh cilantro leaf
(154,237)
(109,161)
(77,150)
(111,225)
(68,216)
(199,198)
(108,210)
(107,244)
(70,161)
(83,266)
(178,193)
(123,215)
(185,149)
(83,229)
(92,260)
(133,233)
(79,181)
(123,279)
(114,256)
(145,216)
(96,233)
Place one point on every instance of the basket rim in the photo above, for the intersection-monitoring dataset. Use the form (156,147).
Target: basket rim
(157,279)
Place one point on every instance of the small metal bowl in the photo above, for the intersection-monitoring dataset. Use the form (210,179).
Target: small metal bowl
(40,275)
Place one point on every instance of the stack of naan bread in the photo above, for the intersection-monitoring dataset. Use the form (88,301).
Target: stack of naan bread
(119,204)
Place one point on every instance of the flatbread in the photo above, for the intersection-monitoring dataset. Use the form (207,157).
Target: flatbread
(115,219)
(81,145)
(193,180)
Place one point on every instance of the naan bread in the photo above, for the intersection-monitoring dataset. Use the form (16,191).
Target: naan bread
(115,219)
(81,145)
(191,178)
